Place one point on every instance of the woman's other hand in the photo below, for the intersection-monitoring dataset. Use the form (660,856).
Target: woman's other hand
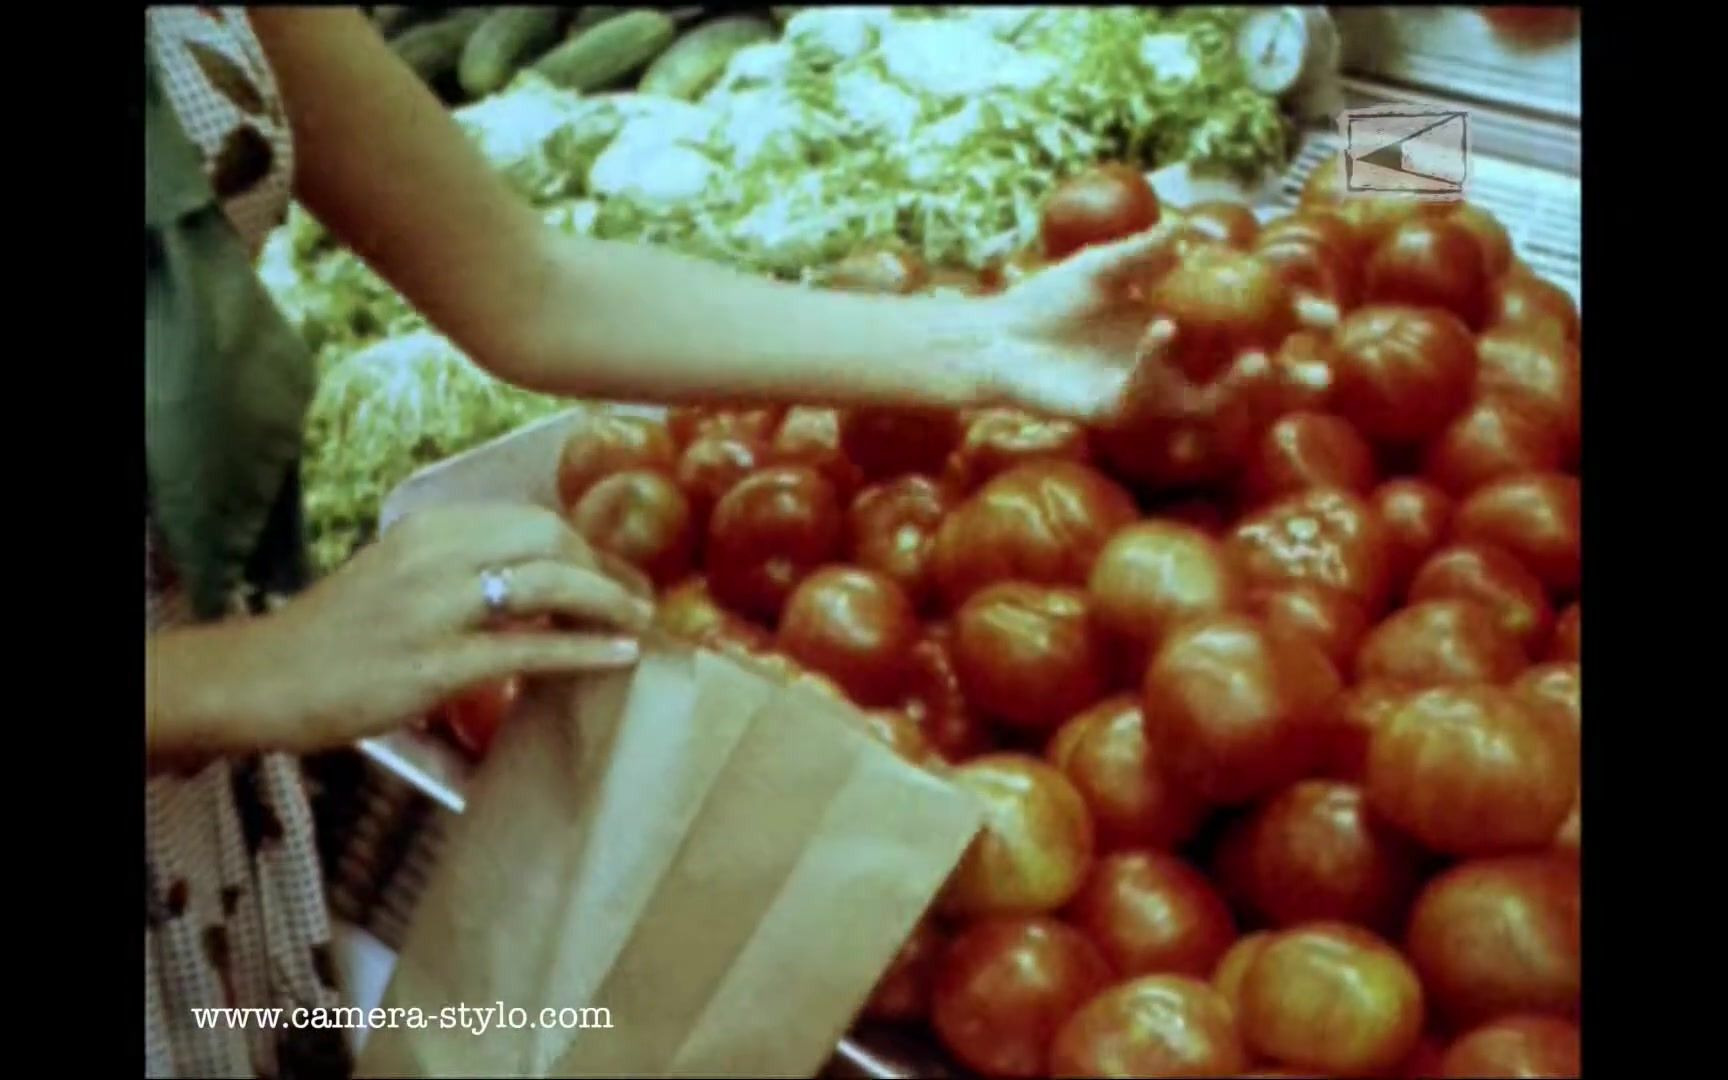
(406,625)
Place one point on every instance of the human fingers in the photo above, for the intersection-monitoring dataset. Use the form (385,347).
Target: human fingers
(1120,264)
(545,587)
(481,535)
(482,658)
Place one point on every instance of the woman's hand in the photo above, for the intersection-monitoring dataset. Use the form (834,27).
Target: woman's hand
(403,627)
(1075,336)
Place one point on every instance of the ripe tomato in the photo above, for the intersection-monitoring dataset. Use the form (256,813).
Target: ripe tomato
(1318,226)
(1524,1046)
(1303,450)
(854,626)
(903,991)
(935,703)
(1005,986)
(604,445)
(1441,642)
(1154,575)
(1498,435)
(766,534)
(878,271)
(1152,914)
(688,611)
(1532,23)
(1431,262)
(1236,704)
(1496,937)
(1348,724)
(1043,522)
(1331,996)
(1160,1025)
(998,439)
(901,734)
(1107,202)
(640,516)
(1568,634)
(810,436)
(1416,516)
(1536,517)
(1316,851)
(1029,656)
(889,442)
(472,717)
(1473,770)
(755,424)
(1323,536)
(1134,801)
(711,464)
(1221,302)
(891,529)
(1403,372)
(1491,237)
(1544,372)
(1330,621)
(1226,222)
(1524,301)
(1233,967)
(1495,580)
(1036,845)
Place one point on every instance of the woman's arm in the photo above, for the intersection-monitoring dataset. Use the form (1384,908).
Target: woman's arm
(389,172)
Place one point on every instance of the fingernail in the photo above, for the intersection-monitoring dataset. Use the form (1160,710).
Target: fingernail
(621,652)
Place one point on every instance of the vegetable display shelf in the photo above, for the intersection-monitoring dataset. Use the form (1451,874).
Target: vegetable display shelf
(388,832)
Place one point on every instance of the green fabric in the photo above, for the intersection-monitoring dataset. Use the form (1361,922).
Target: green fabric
(227,381)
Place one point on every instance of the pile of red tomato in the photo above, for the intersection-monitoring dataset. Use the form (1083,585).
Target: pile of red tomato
(1272,695)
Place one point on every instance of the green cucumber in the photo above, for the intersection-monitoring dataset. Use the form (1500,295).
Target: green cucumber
(434,49)
(505,41)
(692,64)
(608,51)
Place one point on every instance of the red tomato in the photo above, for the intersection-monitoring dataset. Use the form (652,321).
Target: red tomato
(1496,937)
(1305,450)
(901,734)
(886,442)
(1568,634)
(1331,996)
(810,436)
(1372,218)
(1495,580)
(1472,770)
(1221,301)
(1545,374)
(1416,516)
(774,527)
(903,991)
(640,516)
(1029,656)
(1300,377)
(606,444)
(1312,267)
(1229,223)
(935,703)
(1533,24)
(1105,203)
(998,439)
(1403,372)
(854,626)
(1526,302)
(472,717)
(1160,1025)
(1005,987)
(1043,522)
(1134,802)
(691,422)
(1323,536)
(1521,1046)
(1557,688)
(878,271)
(1348,725)
(688,611)
(1318,226)
(1315,851)
(1036,845)
(1498,435)
(1236,705)
(1439,643)
(1331,621)
(1154,575)
(1490,236)
(1431,262)
(1534,516)
(711,464)
(1152,914)
(891,528)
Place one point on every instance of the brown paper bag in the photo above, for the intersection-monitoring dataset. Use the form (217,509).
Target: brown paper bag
(723,865)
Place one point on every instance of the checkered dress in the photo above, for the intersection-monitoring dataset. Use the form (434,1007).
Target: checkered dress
(235,911)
